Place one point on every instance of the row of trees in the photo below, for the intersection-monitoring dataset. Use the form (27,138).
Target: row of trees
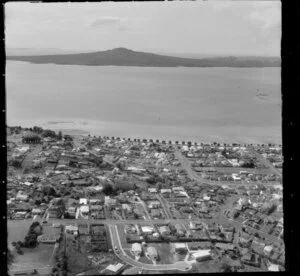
(30,240)
(35,230)
(18,246)
(47,133)
(61,261)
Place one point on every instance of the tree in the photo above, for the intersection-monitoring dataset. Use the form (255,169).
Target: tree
(10,257)
(37,129)
(108,189)
(68,138)
(59,135)
(48,190)
(16,163)
(226,267)
(20,243)
(49,133)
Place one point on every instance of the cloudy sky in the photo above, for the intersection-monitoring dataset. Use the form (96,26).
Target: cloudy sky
(197,27)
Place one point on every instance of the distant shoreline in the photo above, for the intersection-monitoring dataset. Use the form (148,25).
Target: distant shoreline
(142,66)
(126,57)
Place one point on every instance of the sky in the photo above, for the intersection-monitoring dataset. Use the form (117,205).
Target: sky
(196,27)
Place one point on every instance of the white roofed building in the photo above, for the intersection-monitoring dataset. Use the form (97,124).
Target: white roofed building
(202,255)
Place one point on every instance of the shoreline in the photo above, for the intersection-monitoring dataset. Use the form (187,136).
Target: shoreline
(81,132)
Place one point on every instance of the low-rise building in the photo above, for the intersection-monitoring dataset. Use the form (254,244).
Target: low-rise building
(136,249)
(152,253)
(164,230)
(180,248)
(154,204)
(202,255)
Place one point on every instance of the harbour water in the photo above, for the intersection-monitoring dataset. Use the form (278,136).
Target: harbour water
(197,104)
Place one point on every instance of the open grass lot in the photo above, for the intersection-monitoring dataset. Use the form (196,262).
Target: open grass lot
(39,257)
(49,230)
(210,266)
(122,236)
(17,229)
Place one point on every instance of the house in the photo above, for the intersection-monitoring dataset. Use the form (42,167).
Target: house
(268,250)
(225,246)
(115,268)
(95,201)
(164,230)
(206,198)
(84,210)
(151,253)
(152,190)
(179,229)
(96,207)
(109,201)
(155,213)
(71,212)
(98,229)
(71,229)
(147,229)
(180,248)
(153,204)
(202,255)
(83,229)
(136,249)
(178,189)
(54,212)
(83,201)
(47,238)
(136,170)
(251,259)
(127,207)
(20,215)
(234,162)
(236,177)
(36,211)
(21,197)
(273,267)
(138,213)
(165,191)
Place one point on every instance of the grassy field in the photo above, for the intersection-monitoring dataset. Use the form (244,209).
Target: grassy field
(39,256)
(122,236)
(33,257)
(206,267)
(17,229)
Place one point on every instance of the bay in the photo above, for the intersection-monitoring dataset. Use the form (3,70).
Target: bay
(196,104)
